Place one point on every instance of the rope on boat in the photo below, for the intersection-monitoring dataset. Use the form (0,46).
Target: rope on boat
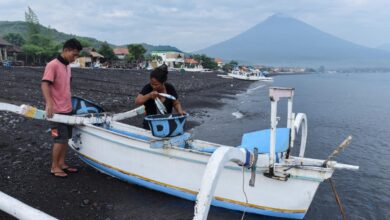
(243,190)
(339,149)
(336,195)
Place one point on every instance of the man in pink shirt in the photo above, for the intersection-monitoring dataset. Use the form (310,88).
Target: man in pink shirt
(57,93)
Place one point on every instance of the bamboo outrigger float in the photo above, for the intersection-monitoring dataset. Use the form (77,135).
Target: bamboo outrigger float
(276,183)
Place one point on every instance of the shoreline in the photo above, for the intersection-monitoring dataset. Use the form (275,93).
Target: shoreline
(89,194)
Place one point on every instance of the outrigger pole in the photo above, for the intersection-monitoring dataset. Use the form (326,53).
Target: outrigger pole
(213,170)
(20,210)
(94,118)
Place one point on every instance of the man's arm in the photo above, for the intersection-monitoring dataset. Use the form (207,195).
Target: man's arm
(45,86)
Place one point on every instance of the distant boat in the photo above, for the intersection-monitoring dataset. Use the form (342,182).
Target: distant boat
(252,75)
(195,69)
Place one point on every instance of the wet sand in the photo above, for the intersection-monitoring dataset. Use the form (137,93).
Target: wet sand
(25,146)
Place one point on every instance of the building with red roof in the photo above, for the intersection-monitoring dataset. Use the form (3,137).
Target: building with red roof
(121,52)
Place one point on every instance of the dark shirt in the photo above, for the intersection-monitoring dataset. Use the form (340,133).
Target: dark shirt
(150,105)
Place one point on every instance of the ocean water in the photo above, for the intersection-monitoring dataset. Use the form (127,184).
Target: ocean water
(337,105)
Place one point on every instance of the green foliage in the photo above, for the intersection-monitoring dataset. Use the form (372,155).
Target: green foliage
(205,61)
(136,53)
(149,48)
(32,21)
(15,38)
(58,47)
(229,66)
(178,65)
(39,47)
(32,49)
(233,63)
(84,42)
(40,40)
(83,53)
(21,27)
(149,57)
(107,51)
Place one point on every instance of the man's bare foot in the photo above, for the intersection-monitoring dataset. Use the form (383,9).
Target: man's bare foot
(69,169)
(58,173)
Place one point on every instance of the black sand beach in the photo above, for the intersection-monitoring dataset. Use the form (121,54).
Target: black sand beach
(25,146)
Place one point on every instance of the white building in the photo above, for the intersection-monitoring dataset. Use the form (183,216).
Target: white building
(170,58)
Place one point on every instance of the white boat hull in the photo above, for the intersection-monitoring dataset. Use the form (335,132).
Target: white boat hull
(250,77)
(280,185)
(179,172)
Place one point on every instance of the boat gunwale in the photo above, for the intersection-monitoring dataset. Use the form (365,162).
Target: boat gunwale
(259,169)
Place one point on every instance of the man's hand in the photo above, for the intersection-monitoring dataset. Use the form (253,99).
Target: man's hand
(49,111)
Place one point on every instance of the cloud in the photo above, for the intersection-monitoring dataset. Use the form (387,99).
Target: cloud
(192,25)
(118,14)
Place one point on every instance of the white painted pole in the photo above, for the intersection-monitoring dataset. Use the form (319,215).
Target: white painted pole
(20,210)
(292,132)
(342,166)
(9,107)
(32,112)
(275,94)
(290,118)
(129,114)
(210,177)
(274,110)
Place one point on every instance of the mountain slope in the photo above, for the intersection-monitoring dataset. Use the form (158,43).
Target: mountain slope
(282,40)
(59,37)
(385,47)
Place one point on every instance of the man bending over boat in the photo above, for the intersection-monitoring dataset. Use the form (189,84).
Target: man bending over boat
(56,91)
(158,96)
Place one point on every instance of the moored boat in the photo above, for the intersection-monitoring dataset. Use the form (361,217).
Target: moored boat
(279,185)
(249,74)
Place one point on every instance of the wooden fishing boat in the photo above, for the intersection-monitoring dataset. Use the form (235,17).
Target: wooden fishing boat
(249,75)
(260,176)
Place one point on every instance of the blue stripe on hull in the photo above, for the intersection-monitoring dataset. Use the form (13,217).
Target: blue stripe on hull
(185,195)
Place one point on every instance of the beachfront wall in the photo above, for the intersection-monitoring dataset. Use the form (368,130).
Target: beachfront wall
(170,58)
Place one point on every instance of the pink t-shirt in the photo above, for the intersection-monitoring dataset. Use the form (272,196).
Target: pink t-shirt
(59,76)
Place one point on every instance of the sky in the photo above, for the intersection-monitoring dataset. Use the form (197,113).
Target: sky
(192,25)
